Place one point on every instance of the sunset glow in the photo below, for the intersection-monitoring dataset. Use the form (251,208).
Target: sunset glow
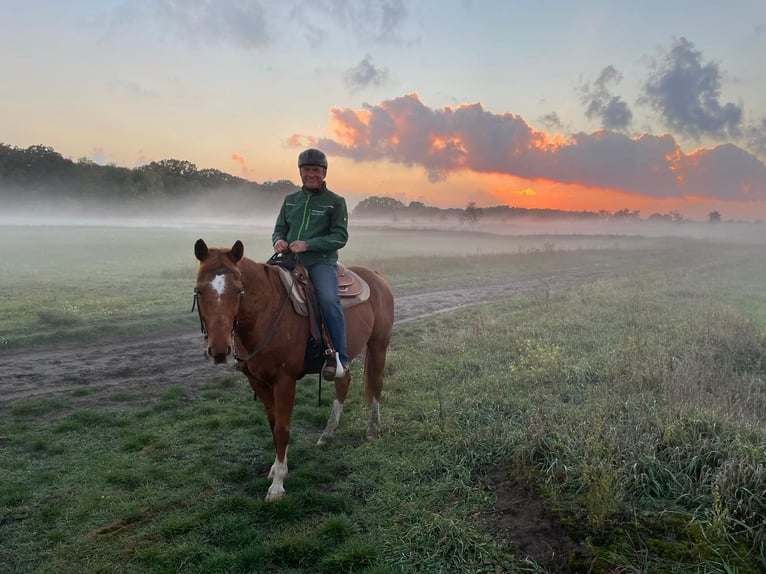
(423,101)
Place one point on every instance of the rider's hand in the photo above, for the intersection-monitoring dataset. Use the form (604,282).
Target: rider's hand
(299,246)
(280,246)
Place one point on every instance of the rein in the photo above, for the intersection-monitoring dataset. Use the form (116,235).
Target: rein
(269,335)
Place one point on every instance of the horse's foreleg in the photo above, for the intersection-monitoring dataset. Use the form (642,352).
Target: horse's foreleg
(341,390)
(284,399)
(277,474)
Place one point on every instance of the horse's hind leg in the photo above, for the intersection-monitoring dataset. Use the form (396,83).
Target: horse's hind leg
(341,390)
(374,364)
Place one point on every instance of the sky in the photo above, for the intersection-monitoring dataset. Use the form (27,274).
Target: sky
(651,106)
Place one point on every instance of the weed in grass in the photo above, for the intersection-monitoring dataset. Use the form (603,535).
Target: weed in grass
(337,530)
(534,363)
(80,420)
(123,397)
(54,319)
(252,558)
(173,393)
(142,441)
(296,551)
(211,423)
(36,407)
(11,495)
(46,445)
(127,479)
(177,524)
(353,557)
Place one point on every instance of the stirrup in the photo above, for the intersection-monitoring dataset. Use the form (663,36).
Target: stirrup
(334,370)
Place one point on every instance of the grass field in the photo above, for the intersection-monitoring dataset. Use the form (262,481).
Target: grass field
(633,407)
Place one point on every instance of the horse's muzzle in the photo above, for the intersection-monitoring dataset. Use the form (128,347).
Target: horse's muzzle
(218,358)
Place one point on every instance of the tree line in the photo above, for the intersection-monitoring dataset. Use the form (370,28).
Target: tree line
(40,172)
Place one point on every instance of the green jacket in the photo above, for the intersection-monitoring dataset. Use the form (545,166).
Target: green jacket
(320,219)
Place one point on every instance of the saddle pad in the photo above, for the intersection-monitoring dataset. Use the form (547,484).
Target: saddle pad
(295,292)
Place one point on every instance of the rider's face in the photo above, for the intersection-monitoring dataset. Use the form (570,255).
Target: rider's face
(312,176)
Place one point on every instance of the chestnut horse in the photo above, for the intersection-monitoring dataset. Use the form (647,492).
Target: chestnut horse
(245,311)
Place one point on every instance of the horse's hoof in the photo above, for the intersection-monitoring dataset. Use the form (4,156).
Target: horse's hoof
(324,439)
(271,496)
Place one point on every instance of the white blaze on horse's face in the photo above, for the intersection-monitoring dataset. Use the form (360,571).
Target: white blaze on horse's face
(219,285)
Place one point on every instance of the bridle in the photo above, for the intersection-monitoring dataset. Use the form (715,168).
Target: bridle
(198,294)
(269,335)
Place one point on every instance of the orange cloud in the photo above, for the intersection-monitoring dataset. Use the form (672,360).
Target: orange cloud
(300,141)
(242,162)
(468,138)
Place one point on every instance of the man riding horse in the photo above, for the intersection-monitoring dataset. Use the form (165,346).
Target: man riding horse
(313,225)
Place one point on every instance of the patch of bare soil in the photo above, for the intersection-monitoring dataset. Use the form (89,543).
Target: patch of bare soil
(145,366)
(523,521)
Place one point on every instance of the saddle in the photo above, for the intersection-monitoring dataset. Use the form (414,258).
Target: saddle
(352,290)
(350,284)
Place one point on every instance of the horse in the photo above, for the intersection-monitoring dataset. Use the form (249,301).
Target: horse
(245,312)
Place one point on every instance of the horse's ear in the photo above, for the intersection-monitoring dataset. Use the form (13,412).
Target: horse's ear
(200,250)
(237,251)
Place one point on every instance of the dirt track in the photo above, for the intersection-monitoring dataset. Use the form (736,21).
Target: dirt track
(145,366)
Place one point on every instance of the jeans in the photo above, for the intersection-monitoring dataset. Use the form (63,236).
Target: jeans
(325,280)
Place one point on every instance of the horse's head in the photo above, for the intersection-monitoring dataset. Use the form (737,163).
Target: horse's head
(216,296)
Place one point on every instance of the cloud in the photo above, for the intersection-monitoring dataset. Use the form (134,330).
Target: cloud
(613,113)
(756,137)
(469,138)
(241,23)
(131,89)
(296,141)
(255,24)
(685,91)
(242,163)
(552,121)
(100,156)
(372,21)
(141,159)
(364,74)
(377,20)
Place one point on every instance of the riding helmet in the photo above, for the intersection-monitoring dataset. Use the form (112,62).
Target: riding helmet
(312,156)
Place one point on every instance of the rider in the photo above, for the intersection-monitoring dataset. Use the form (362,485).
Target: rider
(313,224)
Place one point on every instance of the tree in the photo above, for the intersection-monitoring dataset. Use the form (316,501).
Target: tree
(714,217)
(471,214)
(626,213)
(378,206)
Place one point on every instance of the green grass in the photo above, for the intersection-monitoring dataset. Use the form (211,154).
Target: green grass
(634,406)
(88,283)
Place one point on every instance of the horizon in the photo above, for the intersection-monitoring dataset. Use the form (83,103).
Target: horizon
(353,201)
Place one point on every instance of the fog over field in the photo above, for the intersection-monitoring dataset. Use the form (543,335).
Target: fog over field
(211,212)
